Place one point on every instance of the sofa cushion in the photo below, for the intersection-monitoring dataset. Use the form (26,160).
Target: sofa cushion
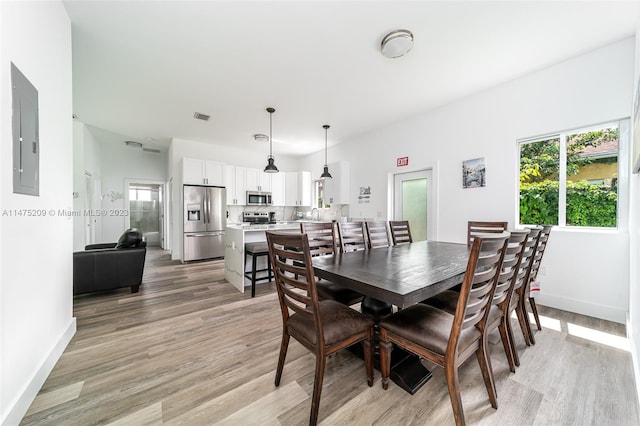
(130,238)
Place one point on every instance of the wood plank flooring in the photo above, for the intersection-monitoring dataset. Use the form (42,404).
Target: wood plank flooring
(188,349)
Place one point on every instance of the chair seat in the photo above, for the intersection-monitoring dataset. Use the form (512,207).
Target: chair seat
(257,249)
(428,327)
(332,291)
(339,322)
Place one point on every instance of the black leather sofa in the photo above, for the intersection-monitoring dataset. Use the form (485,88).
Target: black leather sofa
(110,266)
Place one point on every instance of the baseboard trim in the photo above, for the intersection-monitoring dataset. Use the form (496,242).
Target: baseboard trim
(33,386)
(609,313)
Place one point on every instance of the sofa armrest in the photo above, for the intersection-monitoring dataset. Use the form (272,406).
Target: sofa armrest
(100,246)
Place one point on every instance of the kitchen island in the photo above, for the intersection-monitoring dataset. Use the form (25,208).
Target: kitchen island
(235,237)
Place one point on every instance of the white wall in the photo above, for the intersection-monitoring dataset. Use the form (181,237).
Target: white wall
(590,269)
(209,151)
(119,164)
(36,263)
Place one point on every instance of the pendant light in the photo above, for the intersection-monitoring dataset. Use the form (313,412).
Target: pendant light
(325,173)
(271,167)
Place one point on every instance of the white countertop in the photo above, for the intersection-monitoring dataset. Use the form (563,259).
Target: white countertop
(266,227)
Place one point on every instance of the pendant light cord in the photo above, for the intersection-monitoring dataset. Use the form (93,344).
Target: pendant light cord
(270,132)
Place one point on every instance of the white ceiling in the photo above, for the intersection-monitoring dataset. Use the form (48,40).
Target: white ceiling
(142,68)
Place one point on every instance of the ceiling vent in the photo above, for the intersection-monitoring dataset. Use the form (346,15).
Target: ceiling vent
(133,144)
(155,151)
(200,116)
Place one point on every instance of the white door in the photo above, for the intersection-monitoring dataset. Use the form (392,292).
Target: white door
(413,202)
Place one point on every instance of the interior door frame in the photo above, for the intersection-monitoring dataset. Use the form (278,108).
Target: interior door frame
(163,211)
(432,196)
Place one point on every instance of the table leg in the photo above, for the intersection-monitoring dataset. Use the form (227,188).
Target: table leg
(406,369)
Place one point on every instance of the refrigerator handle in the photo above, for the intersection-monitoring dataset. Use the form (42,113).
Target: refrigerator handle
(206,205)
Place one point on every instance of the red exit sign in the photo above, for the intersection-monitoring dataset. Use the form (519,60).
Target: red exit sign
(402,161)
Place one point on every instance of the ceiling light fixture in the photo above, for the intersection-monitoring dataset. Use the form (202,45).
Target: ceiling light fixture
(396,43)
(260,137)
(325,173)
(271,167)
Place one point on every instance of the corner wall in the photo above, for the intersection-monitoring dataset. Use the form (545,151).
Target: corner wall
(36,321)
(633,319)
(591,88)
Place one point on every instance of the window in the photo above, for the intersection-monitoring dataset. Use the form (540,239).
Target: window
(318,195)
(571,179)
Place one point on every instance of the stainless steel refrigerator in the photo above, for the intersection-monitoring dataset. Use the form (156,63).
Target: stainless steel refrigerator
(204,222)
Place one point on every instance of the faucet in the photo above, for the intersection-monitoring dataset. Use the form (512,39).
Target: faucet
(316,212)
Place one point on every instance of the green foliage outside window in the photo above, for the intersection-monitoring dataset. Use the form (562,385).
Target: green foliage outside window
(586,204)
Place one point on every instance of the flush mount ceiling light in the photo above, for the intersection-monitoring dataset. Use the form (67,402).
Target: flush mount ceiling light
(396,43)
(325,174)
(260,137)
(132,144)
(271,167)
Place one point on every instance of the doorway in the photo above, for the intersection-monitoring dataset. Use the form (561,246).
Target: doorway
(146,211)
(413,201)
(89,220)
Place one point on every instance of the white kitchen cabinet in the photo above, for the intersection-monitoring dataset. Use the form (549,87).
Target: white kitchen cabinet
(202,172)
(234,180)
(257,180)
(298,189)
(337,189)
(278,189)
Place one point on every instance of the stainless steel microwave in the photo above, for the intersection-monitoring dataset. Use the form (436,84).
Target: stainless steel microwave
(255,198)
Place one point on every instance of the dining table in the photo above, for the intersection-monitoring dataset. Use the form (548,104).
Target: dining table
(400,275)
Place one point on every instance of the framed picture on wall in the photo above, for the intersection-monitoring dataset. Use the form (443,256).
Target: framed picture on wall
(473,173)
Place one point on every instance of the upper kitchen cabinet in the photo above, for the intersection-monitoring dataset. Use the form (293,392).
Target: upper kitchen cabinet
(337,189)
(234,180)
(257,180)
(298,189)
(278,189)
(202,172)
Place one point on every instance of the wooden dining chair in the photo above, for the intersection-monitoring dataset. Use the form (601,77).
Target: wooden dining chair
(542,245)
(499,314)
(377,234)
(351,236)
(475,227)
(449,340)
(321,326)
(400,232)
(520,289)
(322,242)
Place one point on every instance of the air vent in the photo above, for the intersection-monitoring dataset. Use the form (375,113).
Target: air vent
(133,144)
(200,116)
(155,151)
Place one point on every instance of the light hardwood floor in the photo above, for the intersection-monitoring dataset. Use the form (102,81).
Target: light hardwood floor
(189,349)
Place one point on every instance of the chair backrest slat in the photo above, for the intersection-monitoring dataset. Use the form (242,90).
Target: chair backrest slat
(351,236)
(479,283)
(540,248)
(510,267)
(400,232)
(377,234)
(295,282)
(321,235)
(476,227)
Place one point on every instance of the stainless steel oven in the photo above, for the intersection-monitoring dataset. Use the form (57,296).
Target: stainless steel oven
(255,198)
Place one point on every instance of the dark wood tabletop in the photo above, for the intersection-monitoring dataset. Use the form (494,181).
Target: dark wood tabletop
(402,275)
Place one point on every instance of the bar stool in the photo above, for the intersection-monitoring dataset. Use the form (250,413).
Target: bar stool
(256,250)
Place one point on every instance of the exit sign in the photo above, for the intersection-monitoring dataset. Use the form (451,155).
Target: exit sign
(402,161)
